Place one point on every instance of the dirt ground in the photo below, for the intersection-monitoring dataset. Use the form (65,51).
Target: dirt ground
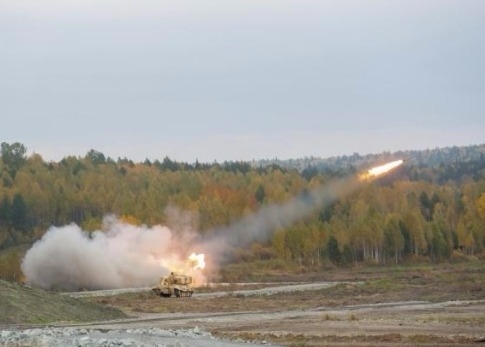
(435,305)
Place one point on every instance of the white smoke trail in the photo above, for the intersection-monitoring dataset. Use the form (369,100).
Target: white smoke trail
(261,225)
(119,256)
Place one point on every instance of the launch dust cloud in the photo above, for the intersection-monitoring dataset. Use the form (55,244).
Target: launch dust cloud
(118,256)
(121,255)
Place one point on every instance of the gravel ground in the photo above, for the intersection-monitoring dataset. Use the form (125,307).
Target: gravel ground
(140,337)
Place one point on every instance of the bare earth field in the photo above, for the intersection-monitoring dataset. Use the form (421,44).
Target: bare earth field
(378,306)
(422,305)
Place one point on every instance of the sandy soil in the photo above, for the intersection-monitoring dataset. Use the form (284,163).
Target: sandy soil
(393,323)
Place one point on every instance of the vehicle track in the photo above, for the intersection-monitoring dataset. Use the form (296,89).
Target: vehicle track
(245,292)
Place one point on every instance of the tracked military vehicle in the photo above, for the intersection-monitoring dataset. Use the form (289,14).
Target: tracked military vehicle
(175,284)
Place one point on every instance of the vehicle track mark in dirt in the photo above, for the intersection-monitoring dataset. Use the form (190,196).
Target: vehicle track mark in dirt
(262,291)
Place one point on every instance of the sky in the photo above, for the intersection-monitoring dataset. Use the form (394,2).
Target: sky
(218,80)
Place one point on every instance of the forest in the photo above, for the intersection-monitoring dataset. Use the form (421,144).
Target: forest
(431,209)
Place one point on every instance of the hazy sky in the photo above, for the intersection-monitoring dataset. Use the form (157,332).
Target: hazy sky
(240,79)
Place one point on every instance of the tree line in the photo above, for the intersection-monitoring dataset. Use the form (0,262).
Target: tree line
(412,213)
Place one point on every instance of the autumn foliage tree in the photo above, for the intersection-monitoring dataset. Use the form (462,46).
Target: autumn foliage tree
(421,211)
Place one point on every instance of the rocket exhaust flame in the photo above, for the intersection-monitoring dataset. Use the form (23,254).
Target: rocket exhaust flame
(197,261)
(378,171)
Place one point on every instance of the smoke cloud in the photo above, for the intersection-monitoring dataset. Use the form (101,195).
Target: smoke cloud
(118,256)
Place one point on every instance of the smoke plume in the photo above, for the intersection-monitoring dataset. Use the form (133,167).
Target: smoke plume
(261,225)
(118,256)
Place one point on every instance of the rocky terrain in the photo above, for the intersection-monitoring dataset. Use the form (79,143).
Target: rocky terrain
(140,337)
